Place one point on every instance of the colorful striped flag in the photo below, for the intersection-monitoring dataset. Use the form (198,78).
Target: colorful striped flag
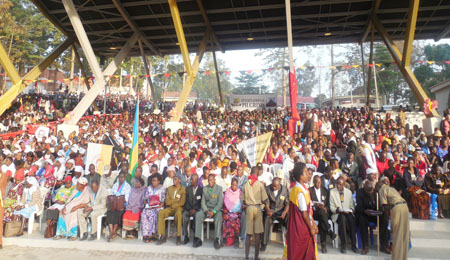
(135,146)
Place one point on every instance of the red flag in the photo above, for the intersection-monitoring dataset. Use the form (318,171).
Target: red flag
(293,96)
(39,103)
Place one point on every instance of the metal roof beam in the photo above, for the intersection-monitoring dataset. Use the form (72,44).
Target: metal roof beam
(134,26)
(375,7)
(208,24)
(443,33)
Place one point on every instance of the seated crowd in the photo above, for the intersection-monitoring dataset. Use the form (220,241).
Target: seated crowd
(200,173)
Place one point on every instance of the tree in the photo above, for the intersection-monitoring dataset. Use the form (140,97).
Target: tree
(249,84)
(275,58)
(306,80)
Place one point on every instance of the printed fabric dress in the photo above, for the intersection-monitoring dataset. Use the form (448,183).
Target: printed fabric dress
(149,215)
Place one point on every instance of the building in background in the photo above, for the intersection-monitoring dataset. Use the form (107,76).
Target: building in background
(358,101)
(174,95)
(442,94)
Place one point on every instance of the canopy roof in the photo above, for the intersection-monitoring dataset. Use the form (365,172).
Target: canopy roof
(236,21)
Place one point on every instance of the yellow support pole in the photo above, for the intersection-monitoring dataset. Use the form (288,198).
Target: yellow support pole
(180,35)
(406,71)
(83,72)
(410,30)
(187,86)
(8,66)
(16,89)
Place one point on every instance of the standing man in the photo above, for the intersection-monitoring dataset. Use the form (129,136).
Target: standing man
(95,208)
(175,199)
(370,161)
(342,206)
(321,209)
(391,199)
(92,175)
(254,198)
(4,178)
(277,208)
(192,206)
(212,203)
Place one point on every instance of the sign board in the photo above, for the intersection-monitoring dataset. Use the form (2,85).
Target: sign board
(67,129)
(252,102)
(99,155)
(173,126)
(255,148)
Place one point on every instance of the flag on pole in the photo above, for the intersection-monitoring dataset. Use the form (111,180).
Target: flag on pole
(134,147)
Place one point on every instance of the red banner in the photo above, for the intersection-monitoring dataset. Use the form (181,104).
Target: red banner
(293,96)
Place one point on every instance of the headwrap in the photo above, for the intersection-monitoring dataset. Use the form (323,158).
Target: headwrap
(68,178)
(82,181)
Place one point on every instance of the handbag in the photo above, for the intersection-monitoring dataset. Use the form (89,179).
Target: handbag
(153,200)
(116,203)
(52,214)
(12,228)
(50,231)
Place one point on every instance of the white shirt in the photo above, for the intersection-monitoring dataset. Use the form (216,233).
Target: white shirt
(302,206)
(318,194)
(266,178)
(225,183)
(370,158)
(145,170)
(288,165)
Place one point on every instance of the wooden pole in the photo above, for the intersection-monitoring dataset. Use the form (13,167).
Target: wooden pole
(283,73)
(333,92)
(218,78)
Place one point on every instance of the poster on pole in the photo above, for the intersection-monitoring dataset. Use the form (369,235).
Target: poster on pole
(68,129)
(99,155)
(255,148)
(41,132)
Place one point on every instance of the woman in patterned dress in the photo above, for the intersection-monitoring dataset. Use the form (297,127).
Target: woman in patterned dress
(155,196)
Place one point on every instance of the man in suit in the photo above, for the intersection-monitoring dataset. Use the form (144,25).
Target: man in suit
(95,208)
(175,199)
(324,162)
(185,176)
(327,180)
(342,208)
(193,204)
(366,203)
(277,207)
(321,202)
(212,203)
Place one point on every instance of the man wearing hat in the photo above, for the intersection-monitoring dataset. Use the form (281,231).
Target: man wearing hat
(175,199)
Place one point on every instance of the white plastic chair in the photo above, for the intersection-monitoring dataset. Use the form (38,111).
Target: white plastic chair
(44,193)
(169,219)
(283,231)
(275,167)
(99,226)
(266,167)
(207,221)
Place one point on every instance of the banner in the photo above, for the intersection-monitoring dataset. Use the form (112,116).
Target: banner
(252,102)
(173,126)
(99,155)
(68,129)
(255,148)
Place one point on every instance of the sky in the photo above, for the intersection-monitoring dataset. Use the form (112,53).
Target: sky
(246,60)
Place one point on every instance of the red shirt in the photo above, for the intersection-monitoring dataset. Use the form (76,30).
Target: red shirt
(382,166)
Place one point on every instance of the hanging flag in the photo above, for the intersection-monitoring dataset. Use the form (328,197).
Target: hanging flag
(135,146)
(293,97)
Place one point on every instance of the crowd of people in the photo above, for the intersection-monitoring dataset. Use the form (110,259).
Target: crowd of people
(349,166)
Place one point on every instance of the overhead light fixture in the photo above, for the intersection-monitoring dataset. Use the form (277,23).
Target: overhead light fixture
(327,34)
(250,39)
(113,48)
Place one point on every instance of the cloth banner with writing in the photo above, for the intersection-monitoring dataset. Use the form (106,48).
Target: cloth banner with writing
(255,148)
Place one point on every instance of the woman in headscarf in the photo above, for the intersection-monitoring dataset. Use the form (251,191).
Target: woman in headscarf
(155,195)
(135,204)
(114,217)
(63,194)
(68,216)
(31,201)
(232,213)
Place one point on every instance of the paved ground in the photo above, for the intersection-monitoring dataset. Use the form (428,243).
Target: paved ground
(19,253)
